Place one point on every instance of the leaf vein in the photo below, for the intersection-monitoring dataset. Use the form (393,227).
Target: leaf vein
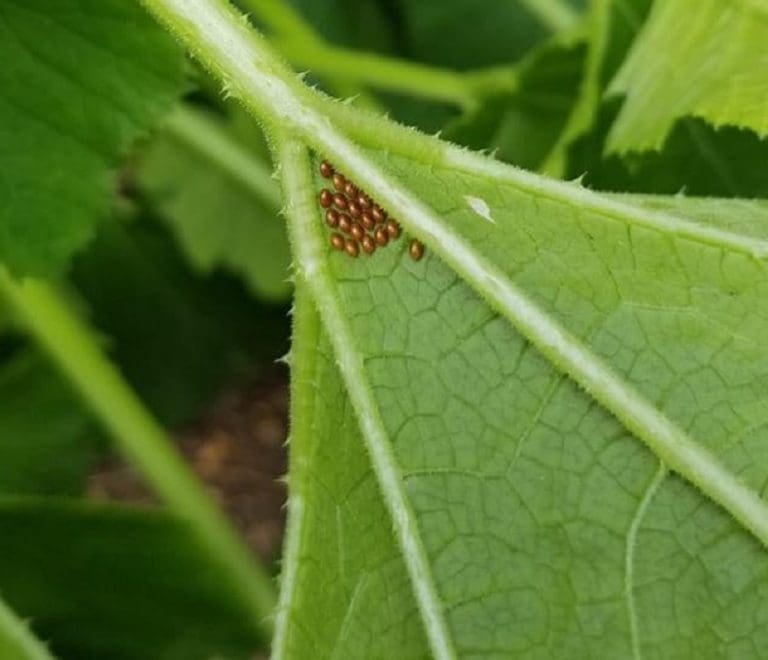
(629,557)
(303,226)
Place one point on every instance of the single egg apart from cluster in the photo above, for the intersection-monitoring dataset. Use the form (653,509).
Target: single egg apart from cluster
(360,223)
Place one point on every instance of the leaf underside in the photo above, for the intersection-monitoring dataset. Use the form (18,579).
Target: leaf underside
(549,529)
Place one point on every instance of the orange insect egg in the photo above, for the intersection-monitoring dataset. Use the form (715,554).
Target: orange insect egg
(339,181)
(351,189)
(357,230)
(340,201)
(379,214)
(354,209)
(364,201)
(345,223)
(332,218)
(326,169)
(382,236)
(367,220)
(337,242)
(351,247)
(326,198)
(393,229)
(416,250)
(369,245)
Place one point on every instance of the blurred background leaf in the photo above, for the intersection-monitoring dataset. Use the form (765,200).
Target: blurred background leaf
(712,68)
(72,102)
(219,199)
(107,582)
(48,443)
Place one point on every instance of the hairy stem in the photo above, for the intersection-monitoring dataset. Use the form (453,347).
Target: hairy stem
(303,361)
(140,438)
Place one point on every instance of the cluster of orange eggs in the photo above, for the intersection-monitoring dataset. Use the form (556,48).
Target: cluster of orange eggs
(361,223)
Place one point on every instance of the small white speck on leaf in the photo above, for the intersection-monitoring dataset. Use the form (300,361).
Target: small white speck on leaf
(480,206)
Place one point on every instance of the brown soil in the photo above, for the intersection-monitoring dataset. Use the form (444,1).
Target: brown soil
(238,449)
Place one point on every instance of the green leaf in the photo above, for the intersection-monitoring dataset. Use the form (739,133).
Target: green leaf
(220,201)
(47,440)
(80,80)
(562,404)
(105,582)
(611,27)
(694,58)
(740,217)
(696,158)
(361,603)
(528,517)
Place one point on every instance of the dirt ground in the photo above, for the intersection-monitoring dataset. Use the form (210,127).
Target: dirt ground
(237,447)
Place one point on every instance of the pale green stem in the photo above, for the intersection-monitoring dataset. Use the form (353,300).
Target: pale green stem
(556,15)
(494,80)
(287,23)
(73,347)
(282,19)
(201,133)
(304,48)
(16,640)
(304,363)
(583,113)
(385,73)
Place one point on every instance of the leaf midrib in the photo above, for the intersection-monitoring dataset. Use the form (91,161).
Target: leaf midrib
(314,272)
(303,361)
